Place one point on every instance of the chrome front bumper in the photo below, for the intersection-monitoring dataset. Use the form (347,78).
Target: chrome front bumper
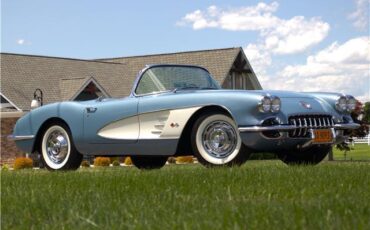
(286,128)
(20,137)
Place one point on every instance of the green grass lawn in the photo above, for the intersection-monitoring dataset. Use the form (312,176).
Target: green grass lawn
(258,195)
(358,152)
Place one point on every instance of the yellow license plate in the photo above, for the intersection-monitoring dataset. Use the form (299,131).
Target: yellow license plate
(323,136)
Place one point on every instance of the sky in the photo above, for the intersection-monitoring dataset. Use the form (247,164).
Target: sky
(306,45)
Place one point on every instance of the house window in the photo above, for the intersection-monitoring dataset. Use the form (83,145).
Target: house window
(90,92)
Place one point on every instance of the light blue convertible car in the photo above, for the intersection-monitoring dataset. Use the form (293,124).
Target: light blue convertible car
(178,110)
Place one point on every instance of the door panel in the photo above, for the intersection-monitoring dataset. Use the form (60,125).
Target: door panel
(113,121)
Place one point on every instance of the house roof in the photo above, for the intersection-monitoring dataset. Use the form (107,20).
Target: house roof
(61,78)
(58,78)
(217,61)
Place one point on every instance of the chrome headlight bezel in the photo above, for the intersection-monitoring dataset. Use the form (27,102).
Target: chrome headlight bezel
(264,106)
(275,104)
(270,104)
(351,103)
(345,104)
(341,104)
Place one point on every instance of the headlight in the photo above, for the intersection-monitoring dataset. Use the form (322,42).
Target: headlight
(346,103)
(265,104)
(341,104)
(351,103)
(275,104)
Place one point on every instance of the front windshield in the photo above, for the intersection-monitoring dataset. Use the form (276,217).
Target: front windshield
(168,78)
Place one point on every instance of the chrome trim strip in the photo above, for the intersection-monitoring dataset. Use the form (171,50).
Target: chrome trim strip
(267,128)
(19,138)
(347,126)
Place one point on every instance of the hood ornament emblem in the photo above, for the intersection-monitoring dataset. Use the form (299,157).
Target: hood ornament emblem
(305,105)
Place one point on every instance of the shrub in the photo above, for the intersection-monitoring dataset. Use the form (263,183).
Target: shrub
(23,163)
(115,163)
(128,161)
(184,160)
(85,164)
(112,159)
(102,161)
(5,167)
(171,160)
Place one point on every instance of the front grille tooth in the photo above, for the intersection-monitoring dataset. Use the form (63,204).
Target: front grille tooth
(305,127)
(295,124)
(304,123)
(300,127)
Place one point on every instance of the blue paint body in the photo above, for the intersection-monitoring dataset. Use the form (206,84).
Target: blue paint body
(241,104)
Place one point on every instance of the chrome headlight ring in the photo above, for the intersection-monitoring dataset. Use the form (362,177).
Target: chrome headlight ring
(269,104)
(346,103)
(341,104)
(351,103)
(264,105)
(275,104)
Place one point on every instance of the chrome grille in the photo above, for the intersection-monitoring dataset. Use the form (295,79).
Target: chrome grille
(306,122)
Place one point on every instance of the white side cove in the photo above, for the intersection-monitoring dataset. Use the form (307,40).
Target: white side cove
(166,124)
(125,129)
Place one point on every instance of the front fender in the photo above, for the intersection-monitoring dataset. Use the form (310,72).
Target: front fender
(31,124)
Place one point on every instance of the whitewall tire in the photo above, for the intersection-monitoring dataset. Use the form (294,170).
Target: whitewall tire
(216,141)
(57,149)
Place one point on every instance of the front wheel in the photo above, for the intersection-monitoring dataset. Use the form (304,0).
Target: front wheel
(149,162)
(309,156)
(57,149)
(216,141)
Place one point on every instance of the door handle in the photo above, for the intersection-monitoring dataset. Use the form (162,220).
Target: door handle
(91,109)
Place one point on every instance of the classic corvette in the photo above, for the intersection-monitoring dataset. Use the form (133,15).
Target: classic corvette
(181,110)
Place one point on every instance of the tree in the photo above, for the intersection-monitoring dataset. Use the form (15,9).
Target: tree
(366,115)
(360,115)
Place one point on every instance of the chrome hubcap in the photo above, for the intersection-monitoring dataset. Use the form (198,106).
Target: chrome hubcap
(57,147)
(219,139)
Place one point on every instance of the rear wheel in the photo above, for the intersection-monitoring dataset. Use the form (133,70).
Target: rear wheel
(216,141)
(309,156)
(57,149)
(149,162)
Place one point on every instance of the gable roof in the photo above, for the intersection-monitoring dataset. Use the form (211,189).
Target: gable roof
(74,93)
(217,61)
(61,78)
(22,74)
(69,87)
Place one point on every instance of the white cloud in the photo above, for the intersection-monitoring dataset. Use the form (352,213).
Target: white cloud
(295,35)
(360,16)
(280,36)
(20,41)
(337,68)
(259,58)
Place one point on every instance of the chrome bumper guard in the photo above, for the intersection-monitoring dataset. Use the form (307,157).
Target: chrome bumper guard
(19,138)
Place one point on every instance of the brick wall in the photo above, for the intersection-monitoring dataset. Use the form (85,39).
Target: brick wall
(8,149)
